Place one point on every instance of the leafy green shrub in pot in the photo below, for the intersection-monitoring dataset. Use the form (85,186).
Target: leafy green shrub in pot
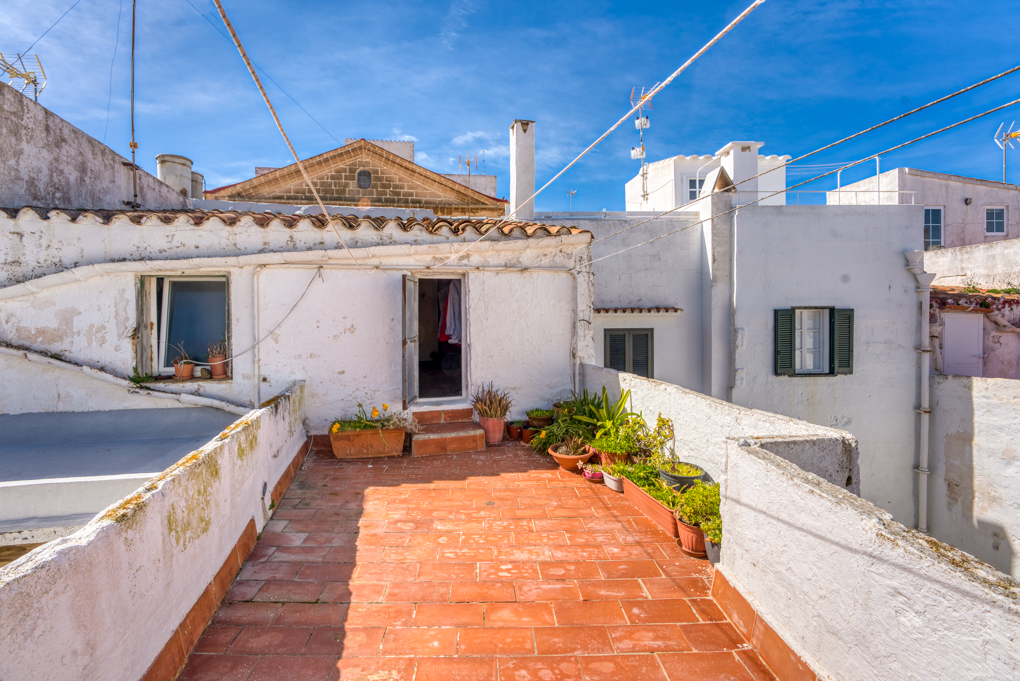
(560,431)
(609,419)
(699,505)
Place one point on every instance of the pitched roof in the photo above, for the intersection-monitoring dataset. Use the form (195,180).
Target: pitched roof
(435,226)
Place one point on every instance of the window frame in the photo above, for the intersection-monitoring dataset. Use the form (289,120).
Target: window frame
(163,307)
(358,176)
(799,352)
(628,348)
(1004,220)
(929,243)
(699,183)
(840,361)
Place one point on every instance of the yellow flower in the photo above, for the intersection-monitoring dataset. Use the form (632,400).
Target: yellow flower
(375,413)
(385,407)
(541,435)
(336,427)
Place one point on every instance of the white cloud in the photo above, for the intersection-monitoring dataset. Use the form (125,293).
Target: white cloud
(456,21)
(398,134)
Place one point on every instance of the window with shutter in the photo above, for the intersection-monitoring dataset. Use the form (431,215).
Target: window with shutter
(814,341)
(784,342)
(630,350)
(842,341)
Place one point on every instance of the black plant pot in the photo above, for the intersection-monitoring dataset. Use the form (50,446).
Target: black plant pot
(680,482)
(712,550)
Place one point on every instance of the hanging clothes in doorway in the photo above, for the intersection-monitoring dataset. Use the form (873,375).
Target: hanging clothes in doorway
(452,327)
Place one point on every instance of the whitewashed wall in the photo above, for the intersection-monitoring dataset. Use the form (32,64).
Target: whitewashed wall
(992,265)
(670,357)
(975,462)
(848,257)
(138,568)
(854,593)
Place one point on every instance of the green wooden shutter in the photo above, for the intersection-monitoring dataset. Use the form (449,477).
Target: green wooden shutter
(641,353)
(785,328)
(842,334)
(616,350)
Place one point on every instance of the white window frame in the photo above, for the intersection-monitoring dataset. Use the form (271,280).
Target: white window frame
(699,183)
(800,352)
(1005,220)
(159,337)
(929,244)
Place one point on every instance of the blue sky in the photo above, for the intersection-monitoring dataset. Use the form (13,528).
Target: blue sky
(453,75)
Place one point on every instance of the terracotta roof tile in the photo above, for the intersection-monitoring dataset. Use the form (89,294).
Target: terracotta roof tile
(636,310)
(436,226)
(964,292)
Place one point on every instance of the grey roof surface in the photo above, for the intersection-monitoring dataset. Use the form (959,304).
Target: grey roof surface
(83,444)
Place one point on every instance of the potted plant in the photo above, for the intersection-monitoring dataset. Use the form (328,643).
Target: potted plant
(612,475)
(364,435)
(614,448)
(699,506)
(680,475)
(571,453)
(529,433)
(653,497)
(592,472)
(655,443)
(492,406)
(514,428)
(218,359)
(713,539)
(184,366)
(540,418)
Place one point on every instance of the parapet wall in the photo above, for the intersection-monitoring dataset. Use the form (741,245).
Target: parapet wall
(103,602)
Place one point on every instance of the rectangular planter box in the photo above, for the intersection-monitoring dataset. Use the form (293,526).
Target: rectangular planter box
(656,512)
(364,444)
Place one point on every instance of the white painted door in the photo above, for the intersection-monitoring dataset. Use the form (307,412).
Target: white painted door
(963,343)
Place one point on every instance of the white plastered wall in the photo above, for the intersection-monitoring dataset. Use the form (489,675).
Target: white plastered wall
(994,265)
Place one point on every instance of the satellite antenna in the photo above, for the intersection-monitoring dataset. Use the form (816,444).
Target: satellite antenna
(25,68)
(641,123)
(1006,140)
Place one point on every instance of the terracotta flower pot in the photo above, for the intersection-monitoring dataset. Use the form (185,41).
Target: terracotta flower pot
(528,434)
(691,540)
(540,423)
(514,431)
(218,366)
(609,458)
(567,462)
(656,512)
(493,428)
(363,444)
(183,372)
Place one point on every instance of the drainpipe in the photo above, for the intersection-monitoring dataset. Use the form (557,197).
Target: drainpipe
(924,280)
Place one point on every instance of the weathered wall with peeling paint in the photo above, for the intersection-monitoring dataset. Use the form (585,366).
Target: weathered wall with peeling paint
(991,265)
(46,161)
(854,593)
(137,569)
(974,486)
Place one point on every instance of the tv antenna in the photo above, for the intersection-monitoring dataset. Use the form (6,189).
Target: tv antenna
(25,68)
(641,123)
(1006,140)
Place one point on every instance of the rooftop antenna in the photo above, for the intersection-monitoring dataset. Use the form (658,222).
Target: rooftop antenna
(1005,140)
(24,67)
(570,195)
(641,123)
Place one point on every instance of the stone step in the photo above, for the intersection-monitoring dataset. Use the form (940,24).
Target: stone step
(432,416)
(447,438)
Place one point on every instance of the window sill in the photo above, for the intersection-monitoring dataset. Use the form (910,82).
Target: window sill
(193,379)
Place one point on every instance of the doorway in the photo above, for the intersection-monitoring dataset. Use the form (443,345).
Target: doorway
(440,338)
(963,343)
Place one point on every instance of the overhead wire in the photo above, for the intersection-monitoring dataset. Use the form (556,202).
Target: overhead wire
(51,26)
(116,44)
(818,177)
(644,101)
(301,166)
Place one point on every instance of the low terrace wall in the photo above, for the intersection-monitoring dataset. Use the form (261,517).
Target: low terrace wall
(127,596)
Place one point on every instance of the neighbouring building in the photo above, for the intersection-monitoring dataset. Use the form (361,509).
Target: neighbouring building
(958,211)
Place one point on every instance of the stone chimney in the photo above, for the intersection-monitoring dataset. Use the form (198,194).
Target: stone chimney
(175,171)
(197,185)
(740,160)
(522,169)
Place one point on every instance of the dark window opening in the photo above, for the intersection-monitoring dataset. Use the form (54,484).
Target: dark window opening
(191,315)
(440,338)
(364,179)
(630,350)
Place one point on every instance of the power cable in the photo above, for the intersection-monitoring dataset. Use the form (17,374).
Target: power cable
(828,146)
(116,43)
(264,73)
(301,166)
(818,177)
(51,26)
(644,101)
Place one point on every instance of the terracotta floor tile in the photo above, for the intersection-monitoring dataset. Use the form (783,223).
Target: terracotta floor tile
(386,572)
(268,571)
(355,554)
(455,669)
(375,669)
(587,537)
(519,614)
(634,552)
(420,641)
(218,667)
(629,569)
(539,538)
(676,587)
(572,553)
(518,525)
(652,611)
(289,592)
(569,570)
(453,572)
(353,592)
(246,613)
(514,554)
(217,638)
(418,592)
(441,539)
(510,571)
(261,552)
(643,667)
(589,612)
(573,513)
(325,572)
(310,615)
(711,637)
(270,640)
(310,526)
(408,525)
(755,667)
(449,615)
(707,609)
(555,524)
(539,669)
(410,554)
(471,554)
(380,615)
(486,539)
(300,554)
(573,641)
(345,641)
(243,591)
(497,641)
(447,526)
(281,539)
(482,592)
(704,667)
(547,591)
(648,638)
(512,513)
(611,589)
(383,539)
(285,668)
(692,567)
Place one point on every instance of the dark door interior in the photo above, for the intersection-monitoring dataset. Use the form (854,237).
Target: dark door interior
(440,334)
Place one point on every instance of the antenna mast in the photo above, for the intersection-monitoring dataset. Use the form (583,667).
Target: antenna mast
(26,68)
(641,123)
(1005,140)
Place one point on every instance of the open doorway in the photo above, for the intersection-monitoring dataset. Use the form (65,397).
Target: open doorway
(440,338)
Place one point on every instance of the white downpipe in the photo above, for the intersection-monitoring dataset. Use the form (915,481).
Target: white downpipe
(924,280)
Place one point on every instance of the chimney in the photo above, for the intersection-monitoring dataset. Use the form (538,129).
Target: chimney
(176,172)
(197,186)
(522,168)
(740,160)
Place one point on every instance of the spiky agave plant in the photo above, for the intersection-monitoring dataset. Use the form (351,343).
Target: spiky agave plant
(491,402)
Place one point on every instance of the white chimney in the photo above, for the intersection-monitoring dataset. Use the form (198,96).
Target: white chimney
(522,169)
(176,172)
(197,185)
(740,160)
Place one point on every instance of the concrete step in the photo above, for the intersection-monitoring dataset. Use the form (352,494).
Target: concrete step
(448,438)
(432,416)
